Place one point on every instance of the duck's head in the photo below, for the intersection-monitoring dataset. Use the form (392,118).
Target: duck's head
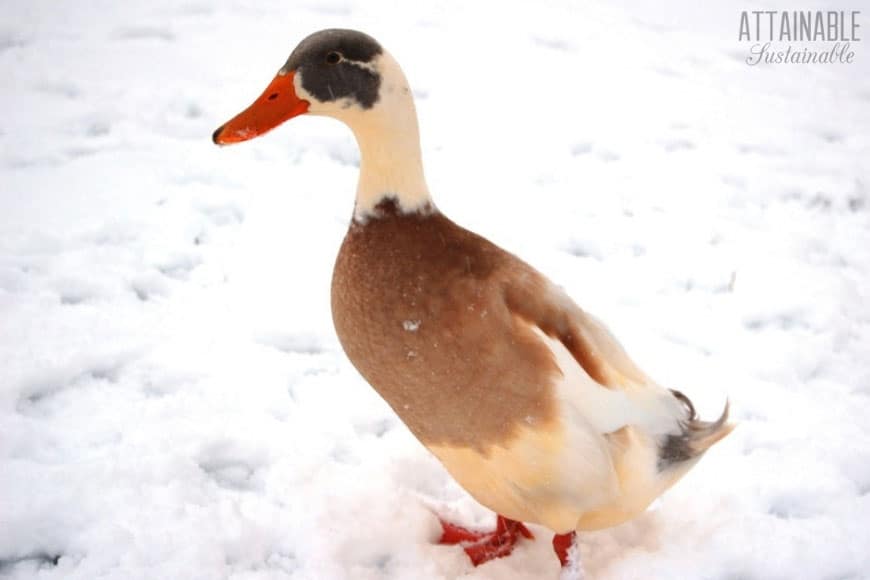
(338,73)
(347,75)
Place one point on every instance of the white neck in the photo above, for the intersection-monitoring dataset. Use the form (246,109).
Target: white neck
(391,164)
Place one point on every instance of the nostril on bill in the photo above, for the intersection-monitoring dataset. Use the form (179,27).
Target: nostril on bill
(273,96)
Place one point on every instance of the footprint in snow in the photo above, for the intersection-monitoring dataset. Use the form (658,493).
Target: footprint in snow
(36,399)
(10,39)
(584,249)
(149,287)
(829,136)
(790,508)
(223,214)
(377,427)
(231,466)
(857,203)
(286,562)
(236,475)
(34,562)
(73,298)
(193,110)
(783,322)
(179,266)
(293,343)
(97,128)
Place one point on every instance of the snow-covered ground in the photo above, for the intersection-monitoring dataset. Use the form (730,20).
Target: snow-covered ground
(174,404)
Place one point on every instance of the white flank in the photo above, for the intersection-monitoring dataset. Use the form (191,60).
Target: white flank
(646,406)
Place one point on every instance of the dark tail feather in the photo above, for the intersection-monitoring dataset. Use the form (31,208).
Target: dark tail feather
(697,436)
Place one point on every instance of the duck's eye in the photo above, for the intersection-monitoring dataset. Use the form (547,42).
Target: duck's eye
(333,57)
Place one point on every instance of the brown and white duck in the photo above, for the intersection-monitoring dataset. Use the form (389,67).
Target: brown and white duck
(528,401)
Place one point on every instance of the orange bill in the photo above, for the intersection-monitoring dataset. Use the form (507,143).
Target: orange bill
(277,104)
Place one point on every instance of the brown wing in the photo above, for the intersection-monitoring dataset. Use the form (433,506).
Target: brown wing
(536,299)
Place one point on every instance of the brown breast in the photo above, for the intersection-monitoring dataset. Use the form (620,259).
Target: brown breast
(419,305)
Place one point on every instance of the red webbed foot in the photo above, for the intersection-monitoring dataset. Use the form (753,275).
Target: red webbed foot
(485,546)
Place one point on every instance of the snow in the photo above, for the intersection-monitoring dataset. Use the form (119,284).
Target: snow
(174,403)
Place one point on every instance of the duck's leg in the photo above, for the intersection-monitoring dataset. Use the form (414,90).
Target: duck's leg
(485,546)
(568,550)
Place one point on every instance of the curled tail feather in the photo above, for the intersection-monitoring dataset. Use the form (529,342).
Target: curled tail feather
(697,436)
(704,434)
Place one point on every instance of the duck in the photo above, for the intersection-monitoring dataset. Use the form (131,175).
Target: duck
(529,402)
